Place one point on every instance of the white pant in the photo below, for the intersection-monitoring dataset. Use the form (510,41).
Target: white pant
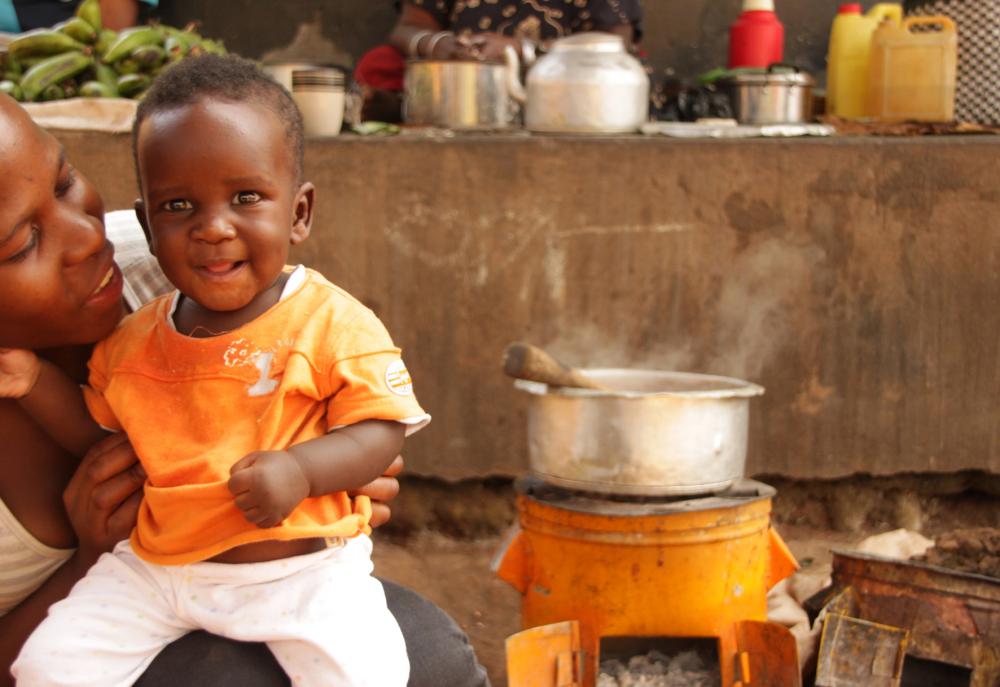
(322,615)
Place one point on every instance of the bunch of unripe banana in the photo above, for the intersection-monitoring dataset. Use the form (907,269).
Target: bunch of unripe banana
(81,58)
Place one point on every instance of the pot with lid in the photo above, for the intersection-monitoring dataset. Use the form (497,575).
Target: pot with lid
(780,94)
(587,83)
(649,433)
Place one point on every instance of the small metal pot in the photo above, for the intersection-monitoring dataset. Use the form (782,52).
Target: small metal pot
(665,433)
(771,96)
(459,94)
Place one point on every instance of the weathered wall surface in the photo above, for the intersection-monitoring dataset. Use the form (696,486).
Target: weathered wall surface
(856,279)
(686,37)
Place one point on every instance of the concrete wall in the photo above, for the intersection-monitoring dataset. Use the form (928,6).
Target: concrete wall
(856,279)
(684,37)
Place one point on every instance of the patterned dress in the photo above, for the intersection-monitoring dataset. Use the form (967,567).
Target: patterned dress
(536,20)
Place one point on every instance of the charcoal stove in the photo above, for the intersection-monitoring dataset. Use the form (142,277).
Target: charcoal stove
(592,568)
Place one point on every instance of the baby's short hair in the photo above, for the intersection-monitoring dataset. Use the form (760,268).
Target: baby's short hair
(222,77)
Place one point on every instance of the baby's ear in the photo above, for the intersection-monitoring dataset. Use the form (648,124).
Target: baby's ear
(140,214)
(302,213)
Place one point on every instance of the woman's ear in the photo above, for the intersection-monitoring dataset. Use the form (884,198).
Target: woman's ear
(302,216)
(140,214)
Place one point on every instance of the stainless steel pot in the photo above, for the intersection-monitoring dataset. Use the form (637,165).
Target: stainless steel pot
(778,95)
(587,83)
(664,433)
(462,95)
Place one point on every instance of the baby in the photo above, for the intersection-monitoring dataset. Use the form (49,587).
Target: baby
(256,396)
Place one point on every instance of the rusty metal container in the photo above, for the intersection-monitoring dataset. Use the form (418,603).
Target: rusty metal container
(656,433)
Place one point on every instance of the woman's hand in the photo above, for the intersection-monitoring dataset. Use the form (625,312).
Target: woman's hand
(382,490)
(486,46)
(19,370)
(103,496)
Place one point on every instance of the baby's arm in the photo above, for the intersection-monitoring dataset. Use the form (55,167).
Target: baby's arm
(268,485)
(51,398)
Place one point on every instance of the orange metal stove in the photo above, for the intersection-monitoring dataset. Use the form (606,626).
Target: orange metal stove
(645,568)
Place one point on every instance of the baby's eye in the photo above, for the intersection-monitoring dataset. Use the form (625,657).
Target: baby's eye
(176,205)
(246,198)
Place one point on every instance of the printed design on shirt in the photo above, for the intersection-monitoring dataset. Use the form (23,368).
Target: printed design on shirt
(243,353)
(397,378)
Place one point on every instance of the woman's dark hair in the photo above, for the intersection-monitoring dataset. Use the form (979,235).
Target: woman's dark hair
(221,77)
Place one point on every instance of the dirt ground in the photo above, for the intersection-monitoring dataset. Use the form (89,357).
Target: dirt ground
(441,544)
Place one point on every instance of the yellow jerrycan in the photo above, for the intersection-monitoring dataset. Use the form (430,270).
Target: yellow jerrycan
(847,59)
(912,70)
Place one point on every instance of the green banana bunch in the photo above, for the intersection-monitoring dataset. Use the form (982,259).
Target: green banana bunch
(105,37)
(42,42)
(12,89)
(53,71)
(130,39)
(95,89)
(90,12)
(131,85)
(77,29)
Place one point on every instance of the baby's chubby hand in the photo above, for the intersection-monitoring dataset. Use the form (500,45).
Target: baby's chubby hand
(19,370)
(268,485)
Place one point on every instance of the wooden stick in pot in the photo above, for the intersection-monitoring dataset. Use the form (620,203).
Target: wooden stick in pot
(524,361)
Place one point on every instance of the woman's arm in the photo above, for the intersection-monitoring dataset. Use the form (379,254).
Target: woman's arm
(56,403)
(414,32)
(119,14)
(102,500)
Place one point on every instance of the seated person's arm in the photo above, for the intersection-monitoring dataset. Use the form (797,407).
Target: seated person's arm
(51,398)
(268,485)
(414,20)
(119,14)
(102,500)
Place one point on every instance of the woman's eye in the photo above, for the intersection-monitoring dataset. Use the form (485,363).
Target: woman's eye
(28,247)
(65,182)
(176,205)
(247,198)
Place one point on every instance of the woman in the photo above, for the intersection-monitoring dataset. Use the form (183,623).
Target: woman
(52,249)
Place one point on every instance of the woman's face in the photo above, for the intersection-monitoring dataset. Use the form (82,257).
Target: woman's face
(59,285)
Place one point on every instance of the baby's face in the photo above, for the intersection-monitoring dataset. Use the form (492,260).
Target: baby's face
(221,199)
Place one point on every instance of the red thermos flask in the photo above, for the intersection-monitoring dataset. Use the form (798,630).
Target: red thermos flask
(757,38)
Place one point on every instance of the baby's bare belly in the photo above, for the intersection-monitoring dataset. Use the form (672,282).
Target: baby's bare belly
(259,552)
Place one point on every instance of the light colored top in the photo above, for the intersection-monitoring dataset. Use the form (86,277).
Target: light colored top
(27,562)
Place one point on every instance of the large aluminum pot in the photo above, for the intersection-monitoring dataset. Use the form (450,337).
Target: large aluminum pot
(586,84)
(459,94)
(664,433)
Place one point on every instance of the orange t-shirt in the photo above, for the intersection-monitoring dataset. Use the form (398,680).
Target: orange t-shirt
(315,361)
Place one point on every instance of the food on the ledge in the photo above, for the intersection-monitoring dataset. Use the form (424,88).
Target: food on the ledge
(79,57)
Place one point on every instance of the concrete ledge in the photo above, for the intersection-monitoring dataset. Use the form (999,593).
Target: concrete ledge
(855,278)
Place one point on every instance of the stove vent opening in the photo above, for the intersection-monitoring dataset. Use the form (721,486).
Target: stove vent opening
(920,672)
(660,661)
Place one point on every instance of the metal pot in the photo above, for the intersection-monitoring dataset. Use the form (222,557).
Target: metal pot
(665,433)
(771,96)
(587,83)
(459,94)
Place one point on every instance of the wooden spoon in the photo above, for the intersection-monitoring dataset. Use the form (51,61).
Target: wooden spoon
(524,361)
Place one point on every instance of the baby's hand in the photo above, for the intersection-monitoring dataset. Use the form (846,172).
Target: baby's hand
(268,485)
(19,370)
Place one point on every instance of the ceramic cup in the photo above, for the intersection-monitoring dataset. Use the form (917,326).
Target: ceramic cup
(319,94)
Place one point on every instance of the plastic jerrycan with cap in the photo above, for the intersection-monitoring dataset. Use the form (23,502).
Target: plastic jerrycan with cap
(912,70)
(847,59)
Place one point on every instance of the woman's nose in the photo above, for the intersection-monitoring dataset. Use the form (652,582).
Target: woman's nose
(84,236)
